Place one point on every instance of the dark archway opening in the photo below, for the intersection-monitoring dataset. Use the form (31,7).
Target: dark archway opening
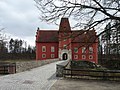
(65,56)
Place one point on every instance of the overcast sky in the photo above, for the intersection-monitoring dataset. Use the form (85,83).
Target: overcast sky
(20,18)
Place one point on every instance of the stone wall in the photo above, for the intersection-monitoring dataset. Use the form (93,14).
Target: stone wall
(27,65)
(60,68)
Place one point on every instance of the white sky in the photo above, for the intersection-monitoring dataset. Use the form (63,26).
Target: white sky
(20,18)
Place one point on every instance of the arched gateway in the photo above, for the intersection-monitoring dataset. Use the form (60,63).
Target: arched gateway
(64,56)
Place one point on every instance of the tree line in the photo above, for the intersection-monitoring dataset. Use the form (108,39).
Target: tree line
(109,42)
(15,49)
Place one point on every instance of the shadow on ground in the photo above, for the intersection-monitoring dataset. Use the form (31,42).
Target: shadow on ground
(80,84)
(53,77)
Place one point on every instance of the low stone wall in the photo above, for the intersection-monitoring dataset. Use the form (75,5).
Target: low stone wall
(27,65)
(60,68)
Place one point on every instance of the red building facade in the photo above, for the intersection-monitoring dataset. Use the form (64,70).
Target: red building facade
(66,44)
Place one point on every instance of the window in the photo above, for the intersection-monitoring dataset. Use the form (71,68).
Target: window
(52,55)
(52,49)
(65,46)
(65,39)
(83,57)
(65,34)
(43,48)
(90,49)
(75,50)
(75,56)
(83,49)
(90,57)
(43,55)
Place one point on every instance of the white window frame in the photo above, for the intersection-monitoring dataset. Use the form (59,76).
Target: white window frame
(65,46)
(52,55)
(75,56)
(83,49)
(83,56)
(43,48)
(65,39)
(43,55)
(90,56)
(52,49)
(90,49)
(75,50)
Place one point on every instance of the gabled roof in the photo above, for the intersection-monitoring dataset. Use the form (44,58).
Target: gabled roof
(77,36)
(82,36)
(47,36)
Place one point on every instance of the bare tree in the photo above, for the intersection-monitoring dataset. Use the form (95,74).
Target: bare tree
(88,13)
(3,42)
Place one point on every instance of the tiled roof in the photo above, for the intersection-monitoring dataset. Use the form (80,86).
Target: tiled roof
(47,36)
(77,36)
(80,36)
(64,25)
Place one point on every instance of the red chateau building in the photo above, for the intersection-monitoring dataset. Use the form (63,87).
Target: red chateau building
(66,44)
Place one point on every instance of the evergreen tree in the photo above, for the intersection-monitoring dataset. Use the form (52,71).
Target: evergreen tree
(11,45)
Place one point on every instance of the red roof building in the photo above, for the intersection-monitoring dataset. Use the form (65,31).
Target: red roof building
(66,44)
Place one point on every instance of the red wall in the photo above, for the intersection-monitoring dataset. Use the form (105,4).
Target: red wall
(94,54)
(73,45)
(48,50)
(66,42)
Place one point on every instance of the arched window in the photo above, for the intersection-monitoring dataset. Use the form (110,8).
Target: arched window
(75,50)
(43,48)
(90,49)
(52,49)
(83,49)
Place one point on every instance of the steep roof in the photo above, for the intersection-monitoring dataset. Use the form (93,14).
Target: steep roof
(64,25)
(77,36)
(82,36)
(47,36)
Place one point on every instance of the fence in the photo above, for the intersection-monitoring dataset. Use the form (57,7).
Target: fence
(92,74)
(7,68)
